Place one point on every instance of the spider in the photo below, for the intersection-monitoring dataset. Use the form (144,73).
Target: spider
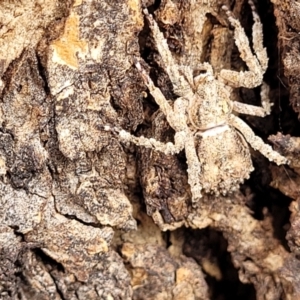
(215,140)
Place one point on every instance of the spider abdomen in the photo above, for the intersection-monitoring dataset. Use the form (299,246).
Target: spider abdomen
(229,160)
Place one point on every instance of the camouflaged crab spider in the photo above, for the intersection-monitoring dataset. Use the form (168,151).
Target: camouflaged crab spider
(215,140)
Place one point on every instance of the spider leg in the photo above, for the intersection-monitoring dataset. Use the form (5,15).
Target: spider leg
(252,110)
(257,37)
(186,138)
(166,148)
(194,168)
(256,142)
(127,137)
(180,84)
(257,64)
(160,99)
(182,140)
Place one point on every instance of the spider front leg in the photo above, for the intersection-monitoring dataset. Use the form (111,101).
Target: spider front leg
(256,142)
(162,102)
(180,84)
(177,122)
(257,64)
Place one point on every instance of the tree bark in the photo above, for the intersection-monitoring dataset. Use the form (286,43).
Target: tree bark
(87,216)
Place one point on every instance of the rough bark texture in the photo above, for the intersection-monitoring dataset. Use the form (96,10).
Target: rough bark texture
(85,216)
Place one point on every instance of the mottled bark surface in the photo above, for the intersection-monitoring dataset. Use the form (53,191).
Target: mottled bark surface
(85,216)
